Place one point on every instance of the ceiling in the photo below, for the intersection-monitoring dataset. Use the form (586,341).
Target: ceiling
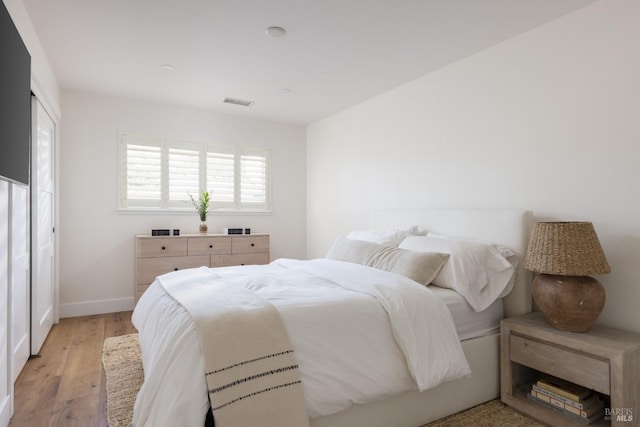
(336,53)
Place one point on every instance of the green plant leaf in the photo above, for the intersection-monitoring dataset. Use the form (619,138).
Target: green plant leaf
(203,204)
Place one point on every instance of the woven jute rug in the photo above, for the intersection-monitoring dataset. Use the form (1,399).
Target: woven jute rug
(123,370)
(124,374)
(491,414)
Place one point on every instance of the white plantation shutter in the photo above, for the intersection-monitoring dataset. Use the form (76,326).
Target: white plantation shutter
(142,172)
(221,175)
(159,173)
(253,178)
(184,171)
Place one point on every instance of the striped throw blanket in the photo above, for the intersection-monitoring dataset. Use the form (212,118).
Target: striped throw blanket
(251,372)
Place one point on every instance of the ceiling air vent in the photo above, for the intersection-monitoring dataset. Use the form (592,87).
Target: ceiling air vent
(235,101)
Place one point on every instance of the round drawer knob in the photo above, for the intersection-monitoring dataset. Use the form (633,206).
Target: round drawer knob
(210,246)
(175,269)
(252,245)
(164,247)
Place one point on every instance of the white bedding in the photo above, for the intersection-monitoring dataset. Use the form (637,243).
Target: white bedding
(359,335)
(469,323)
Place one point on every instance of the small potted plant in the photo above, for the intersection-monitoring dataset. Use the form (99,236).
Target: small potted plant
(203,207)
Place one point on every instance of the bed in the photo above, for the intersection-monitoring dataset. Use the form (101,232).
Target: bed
(479,336)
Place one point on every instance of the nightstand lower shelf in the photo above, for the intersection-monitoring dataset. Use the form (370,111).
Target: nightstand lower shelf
(520,402)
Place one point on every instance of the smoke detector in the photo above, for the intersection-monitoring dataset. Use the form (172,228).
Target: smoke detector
(275,32)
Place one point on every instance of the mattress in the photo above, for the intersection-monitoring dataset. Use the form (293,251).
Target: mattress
(470,324)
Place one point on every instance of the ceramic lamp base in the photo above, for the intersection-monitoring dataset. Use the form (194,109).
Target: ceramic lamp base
(569,303)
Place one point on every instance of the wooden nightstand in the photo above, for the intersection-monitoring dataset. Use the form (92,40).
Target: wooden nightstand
(603,359)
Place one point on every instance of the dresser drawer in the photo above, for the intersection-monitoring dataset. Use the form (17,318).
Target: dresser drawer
(209,245)
(161,246)
(147,269)
(239,259)
(249,244)
(572,366)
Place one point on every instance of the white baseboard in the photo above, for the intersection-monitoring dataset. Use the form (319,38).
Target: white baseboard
(87,308)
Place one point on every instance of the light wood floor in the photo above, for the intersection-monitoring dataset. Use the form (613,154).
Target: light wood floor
(65,385)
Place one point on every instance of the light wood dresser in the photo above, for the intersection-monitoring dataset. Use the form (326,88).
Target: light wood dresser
(605,360)
(156,255)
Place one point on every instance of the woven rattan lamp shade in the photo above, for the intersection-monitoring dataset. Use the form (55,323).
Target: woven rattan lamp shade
(565,248)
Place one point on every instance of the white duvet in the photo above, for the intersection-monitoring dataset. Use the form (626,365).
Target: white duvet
(359,335)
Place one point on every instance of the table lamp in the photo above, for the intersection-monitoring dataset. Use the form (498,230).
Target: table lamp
(565,254)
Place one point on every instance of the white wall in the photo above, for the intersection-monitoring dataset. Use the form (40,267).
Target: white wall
(97,243)
(547,121)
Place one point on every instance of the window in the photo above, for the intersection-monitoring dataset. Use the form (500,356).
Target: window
(158,173)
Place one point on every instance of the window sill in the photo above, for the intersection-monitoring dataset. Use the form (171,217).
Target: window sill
(220,212)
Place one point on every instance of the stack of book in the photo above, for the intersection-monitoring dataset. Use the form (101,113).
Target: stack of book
(570,399)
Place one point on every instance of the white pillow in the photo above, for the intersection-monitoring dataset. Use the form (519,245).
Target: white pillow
(421,267)
(479,271)
(383,237)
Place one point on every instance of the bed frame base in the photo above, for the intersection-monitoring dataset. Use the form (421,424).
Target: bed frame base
(415,408)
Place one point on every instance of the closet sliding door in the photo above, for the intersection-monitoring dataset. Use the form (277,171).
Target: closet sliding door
(20,279)
(42,232)
(6,384)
